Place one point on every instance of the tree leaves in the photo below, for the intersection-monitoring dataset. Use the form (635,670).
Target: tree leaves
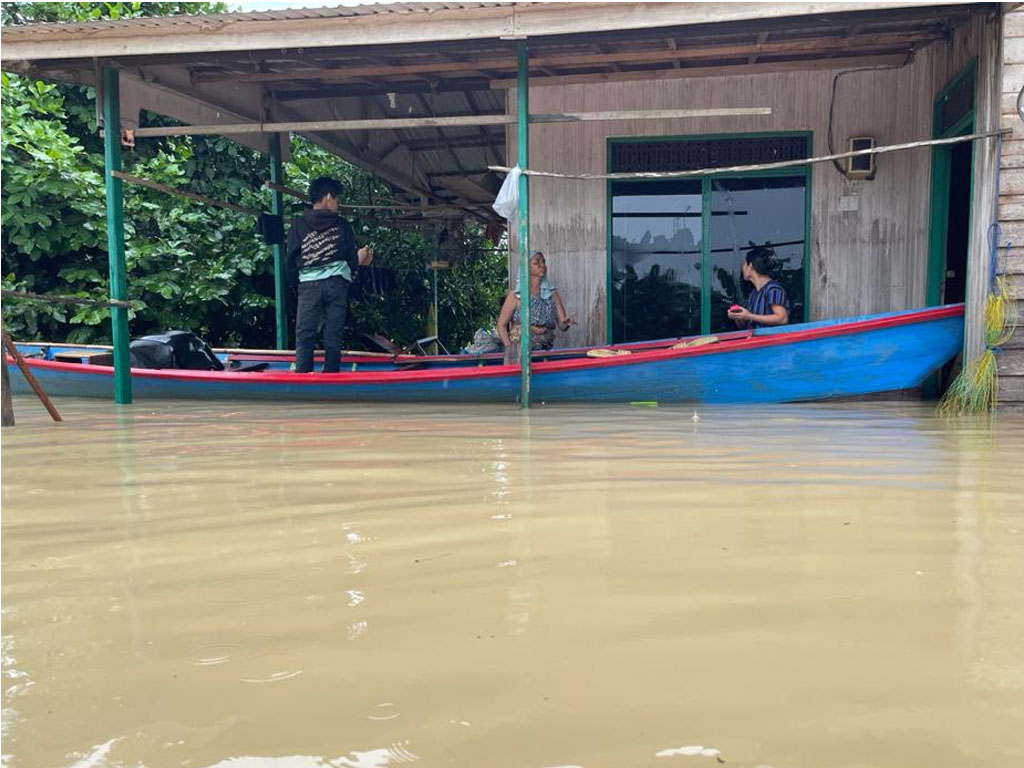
(190,266)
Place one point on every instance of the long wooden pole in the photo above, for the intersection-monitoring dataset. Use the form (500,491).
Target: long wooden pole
(168,189)
(23,367)
(523,161)
(454,121)
(7,417)
(277,208)
(115,235)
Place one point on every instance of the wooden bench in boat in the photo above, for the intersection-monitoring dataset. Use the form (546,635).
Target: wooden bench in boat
(85,356)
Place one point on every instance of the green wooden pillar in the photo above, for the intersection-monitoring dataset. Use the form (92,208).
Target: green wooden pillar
(115,235)
(523,160)
(277,208)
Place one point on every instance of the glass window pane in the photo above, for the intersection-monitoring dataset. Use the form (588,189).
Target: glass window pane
(751,211)
(656,255)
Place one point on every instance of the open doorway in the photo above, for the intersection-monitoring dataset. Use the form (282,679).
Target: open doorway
(951,205)
(958,221)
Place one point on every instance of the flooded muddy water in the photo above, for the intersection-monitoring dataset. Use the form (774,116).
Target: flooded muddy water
(262,586)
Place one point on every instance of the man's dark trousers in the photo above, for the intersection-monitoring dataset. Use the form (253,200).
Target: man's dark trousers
(327,298)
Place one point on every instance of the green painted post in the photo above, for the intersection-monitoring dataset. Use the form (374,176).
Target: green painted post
(277,208)
(707,202)
(523,160)
(115,235)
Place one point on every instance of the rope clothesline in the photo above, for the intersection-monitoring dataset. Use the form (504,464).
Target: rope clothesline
(761,167)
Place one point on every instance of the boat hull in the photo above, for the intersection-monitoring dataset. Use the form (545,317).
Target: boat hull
(813,361)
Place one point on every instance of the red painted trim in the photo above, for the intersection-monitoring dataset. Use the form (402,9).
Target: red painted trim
(739,342)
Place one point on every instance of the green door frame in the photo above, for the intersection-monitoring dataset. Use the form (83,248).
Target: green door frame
(706,181)
(941,162)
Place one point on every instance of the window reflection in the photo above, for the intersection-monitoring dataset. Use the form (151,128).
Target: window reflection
(657,250)
(656,254)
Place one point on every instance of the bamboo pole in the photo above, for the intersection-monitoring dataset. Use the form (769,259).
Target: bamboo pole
(167,188)
(31,379)
(453,121)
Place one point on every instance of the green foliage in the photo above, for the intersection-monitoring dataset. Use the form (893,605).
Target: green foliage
(35,13)
(189,266)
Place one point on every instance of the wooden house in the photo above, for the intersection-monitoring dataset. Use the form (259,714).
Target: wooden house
(426,96)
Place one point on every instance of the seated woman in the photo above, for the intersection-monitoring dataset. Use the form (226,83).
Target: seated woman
(768,303)
(546,310)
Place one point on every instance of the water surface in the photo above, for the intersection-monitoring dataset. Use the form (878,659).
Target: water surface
(262,586)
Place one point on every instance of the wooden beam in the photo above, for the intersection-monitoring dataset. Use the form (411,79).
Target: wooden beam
(781,47)
(441,122)
(673,47)
(375,87)
(762,38)
(712,71)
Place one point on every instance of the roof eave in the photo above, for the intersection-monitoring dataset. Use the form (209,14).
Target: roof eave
(228,32)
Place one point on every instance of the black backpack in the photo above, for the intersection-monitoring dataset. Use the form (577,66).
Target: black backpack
(174,349)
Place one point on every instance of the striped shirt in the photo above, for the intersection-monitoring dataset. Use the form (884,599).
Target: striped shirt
(760,302)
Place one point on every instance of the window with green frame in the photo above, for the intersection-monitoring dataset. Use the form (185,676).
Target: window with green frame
(675,247)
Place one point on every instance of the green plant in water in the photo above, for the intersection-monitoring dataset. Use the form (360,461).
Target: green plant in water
(976,387)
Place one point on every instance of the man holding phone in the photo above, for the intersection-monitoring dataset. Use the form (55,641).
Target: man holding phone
(322,260)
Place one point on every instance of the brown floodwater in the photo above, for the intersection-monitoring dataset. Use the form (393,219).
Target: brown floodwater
(301,586)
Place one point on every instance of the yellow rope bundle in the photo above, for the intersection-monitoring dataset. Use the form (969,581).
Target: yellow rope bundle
(976,387)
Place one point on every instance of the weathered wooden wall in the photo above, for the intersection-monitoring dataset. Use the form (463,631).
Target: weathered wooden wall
(1011,202)
(871,259)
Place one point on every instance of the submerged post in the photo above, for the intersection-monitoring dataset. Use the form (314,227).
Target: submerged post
(115,235)
(277,208)
(523,160)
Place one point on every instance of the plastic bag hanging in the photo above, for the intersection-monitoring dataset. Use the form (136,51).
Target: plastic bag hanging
(507,201)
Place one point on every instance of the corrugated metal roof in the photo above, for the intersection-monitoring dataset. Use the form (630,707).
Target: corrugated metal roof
(213,20)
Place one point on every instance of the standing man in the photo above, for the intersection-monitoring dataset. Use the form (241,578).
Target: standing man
(322,259)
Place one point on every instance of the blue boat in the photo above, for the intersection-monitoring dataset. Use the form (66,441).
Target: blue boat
(809,361)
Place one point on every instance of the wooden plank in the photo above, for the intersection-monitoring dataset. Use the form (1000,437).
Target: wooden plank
(1012,146)
(1013,24)
(1012,231)
(1011,390)
(1015,287)
(1014,125)
(1011,262)
(442,122)
(1008,103)
(1010,362)
(1011,182)
(1011,208)
(1013,50)
(1013,78)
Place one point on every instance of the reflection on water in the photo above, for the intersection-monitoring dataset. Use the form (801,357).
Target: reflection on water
(302,586)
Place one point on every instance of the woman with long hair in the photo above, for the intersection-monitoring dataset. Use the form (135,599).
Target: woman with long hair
(768,303)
